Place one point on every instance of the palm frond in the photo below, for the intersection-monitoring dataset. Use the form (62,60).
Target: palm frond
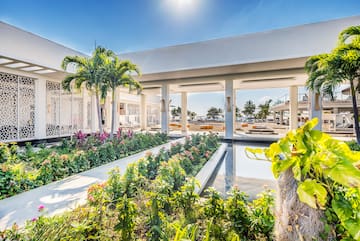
(76,60)
(349,32)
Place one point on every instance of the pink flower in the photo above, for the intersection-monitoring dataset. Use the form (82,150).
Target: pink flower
(33,219)
(41,208)
(91,198)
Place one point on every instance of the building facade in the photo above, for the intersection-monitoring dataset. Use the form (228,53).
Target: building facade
(34,106)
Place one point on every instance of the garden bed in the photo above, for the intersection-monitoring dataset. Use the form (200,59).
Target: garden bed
(24,170)
(155,199)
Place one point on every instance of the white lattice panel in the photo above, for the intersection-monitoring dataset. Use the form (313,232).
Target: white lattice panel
(26,107)
(53,108)
(8,106)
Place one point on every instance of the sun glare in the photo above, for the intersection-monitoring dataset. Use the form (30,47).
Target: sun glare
(181,8)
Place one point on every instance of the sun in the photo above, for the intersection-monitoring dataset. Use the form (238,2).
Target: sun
(182,7)
(184,3)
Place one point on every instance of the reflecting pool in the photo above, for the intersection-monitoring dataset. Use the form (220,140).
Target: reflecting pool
(236,169)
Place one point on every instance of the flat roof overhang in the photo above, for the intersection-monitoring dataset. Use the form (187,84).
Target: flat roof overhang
(269,74)
(31,68)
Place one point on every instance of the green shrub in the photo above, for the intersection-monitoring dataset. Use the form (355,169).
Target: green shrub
(162,206)
(354,146)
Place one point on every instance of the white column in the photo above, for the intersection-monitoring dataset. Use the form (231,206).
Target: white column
(143,112)
(40,108)
(293,107)
(184,113)
(165,108)
(315,108)
(229,108)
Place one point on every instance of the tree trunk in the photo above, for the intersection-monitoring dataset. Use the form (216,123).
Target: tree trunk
(294,219)
(113,113)
(356,112)
(99,112)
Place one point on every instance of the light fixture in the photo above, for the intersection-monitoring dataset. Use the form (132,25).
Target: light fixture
(17,65)
(5,61)
(45,71)
(32,68)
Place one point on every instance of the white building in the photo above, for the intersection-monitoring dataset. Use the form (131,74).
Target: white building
(34,106)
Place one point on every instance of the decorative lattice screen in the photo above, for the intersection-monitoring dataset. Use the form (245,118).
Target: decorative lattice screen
(26,107)
(17,107)
(53,108)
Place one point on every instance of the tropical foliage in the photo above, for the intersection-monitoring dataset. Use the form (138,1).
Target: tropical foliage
(89,72)
(22,171)
(117,74)
(327,179)
(327,71)
(264,110)
(177,112)
(100,73)
(214,113)
(249,108)
(155,199)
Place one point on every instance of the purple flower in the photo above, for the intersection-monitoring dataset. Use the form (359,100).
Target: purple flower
(103,136)
(41,208)
(130,133)
(33,219)
(80,135)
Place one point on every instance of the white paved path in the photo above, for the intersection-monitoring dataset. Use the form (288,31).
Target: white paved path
(61,195)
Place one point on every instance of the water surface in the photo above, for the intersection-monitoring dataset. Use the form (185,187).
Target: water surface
(250,176)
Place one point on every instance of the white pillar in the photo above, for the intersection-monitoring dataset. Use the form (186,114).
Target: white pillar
(293,107)
(184,113)
(229,108)
(143,112)
(40,108)
(315,108)
(165,108)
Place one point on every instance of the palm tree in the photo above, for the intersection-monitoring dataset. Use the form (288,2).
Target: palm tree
(89,72)
(328,71)
(118,73)
(249,108)
(191,114)
(264,109)
(213,112)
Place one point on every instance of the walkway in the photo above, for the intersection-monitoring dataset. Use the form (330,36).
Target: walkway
(61,195)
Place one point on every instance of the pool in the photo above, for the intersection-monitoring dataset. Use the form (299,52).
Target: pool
(236,169)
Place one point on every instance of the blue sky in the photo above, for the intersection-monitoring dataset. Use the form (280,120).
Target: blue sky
(125,26)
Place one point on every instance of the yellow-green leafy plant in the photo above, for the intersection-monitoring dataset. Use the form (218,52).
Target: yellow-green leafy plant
(315,175)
